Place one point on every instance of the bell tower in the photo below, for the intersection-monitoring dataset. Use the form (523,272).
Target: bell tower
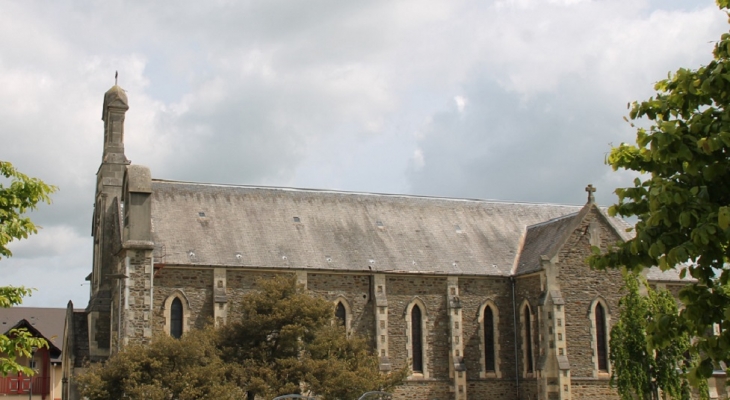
(106,226)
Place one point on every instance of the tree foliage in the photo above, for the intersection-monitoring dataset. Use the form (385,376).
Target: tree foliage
(18,195)
(641,369)
(23,194)
(189,368)
(284,343)
(682,199)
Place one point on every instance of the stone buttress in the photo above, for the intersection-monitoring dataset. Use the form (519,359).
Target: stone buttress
(457,370)
(136,272)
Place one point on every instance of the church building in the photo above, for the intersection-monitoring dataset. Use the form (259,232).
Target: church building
(480,299)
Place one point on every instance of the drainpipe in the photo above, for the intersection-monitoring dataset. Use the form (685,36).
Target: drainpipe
(514,322)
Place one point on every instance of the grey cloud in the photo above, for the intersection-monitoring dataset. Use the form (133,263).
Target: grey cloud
(544,149)
(328,94)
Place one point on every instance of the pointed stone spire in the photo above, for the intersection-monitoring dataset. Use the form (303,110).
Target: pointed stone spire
(590,189)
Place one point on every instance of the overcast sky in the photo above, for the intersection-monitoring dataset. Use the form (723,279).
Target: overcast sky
(516,100)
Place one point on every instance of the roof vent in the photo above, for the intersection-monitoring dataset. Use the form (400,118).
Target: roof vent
(371,261)
(239,256)
(379,224)
(296,219)
(191,254)
(201,214)
(458,228)
(329,259)
(283,258)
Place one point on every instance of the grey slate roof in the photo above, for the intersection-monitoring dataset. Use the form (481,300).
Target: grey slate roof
(540,240)
(48,321)
(207,224)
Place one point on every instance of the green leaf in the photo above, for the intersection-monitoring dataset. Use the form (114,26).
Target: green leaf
(723,217)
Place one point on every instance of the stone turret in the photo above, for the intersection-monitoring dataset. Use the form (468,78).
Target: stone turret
(114,110)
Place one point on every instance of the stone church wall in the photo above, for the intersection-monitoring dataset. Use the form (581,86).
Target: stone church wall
(528,288)
(596,389)
(474,292)
(402,290)
(528,389)
(581,287)
(355,289)
(492,389)
(422,390)
(196,284)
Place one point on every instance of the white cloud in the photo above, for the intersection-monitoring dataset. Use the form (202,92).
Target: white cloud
(418,159)
(461,103)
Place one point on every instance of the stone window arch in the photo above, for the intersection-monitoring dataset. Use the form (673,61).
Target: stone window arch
(416,334)
(528,342)
(488,319)
(343,312)
(600,322)
(177,314)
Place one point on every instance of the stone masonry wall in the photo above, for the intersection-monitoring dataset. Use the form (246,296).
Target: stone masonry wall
(432,292)
(196,284)
(592,389)
(424,390)
(528,288)
(492,389)
(355,289)
(528,389)
(581,286)
(474,292)
(137,318)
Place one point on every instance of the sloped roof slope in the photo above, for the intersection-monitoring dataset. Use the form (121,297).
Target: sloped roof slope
(48,321)
(207,224)
(540,240)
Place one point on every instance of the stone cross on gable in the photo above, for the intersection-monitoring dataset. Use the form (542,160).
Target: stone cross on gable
(590,189)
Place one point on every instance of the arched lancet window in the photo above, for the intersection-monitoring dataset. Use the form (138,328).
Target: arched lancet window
(176,318)
(601,348)
(341,314)
(528,338)
(417,339)
(489,353)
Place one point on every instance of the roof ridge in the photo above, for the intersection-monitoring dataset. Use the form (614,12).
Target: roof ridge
(349,192)
(556,219)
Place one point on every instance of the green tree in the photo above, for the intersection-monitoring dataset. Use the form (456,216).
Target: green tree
(286,343)
(682,198)
(641,369)
(189,368)
(18,195)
